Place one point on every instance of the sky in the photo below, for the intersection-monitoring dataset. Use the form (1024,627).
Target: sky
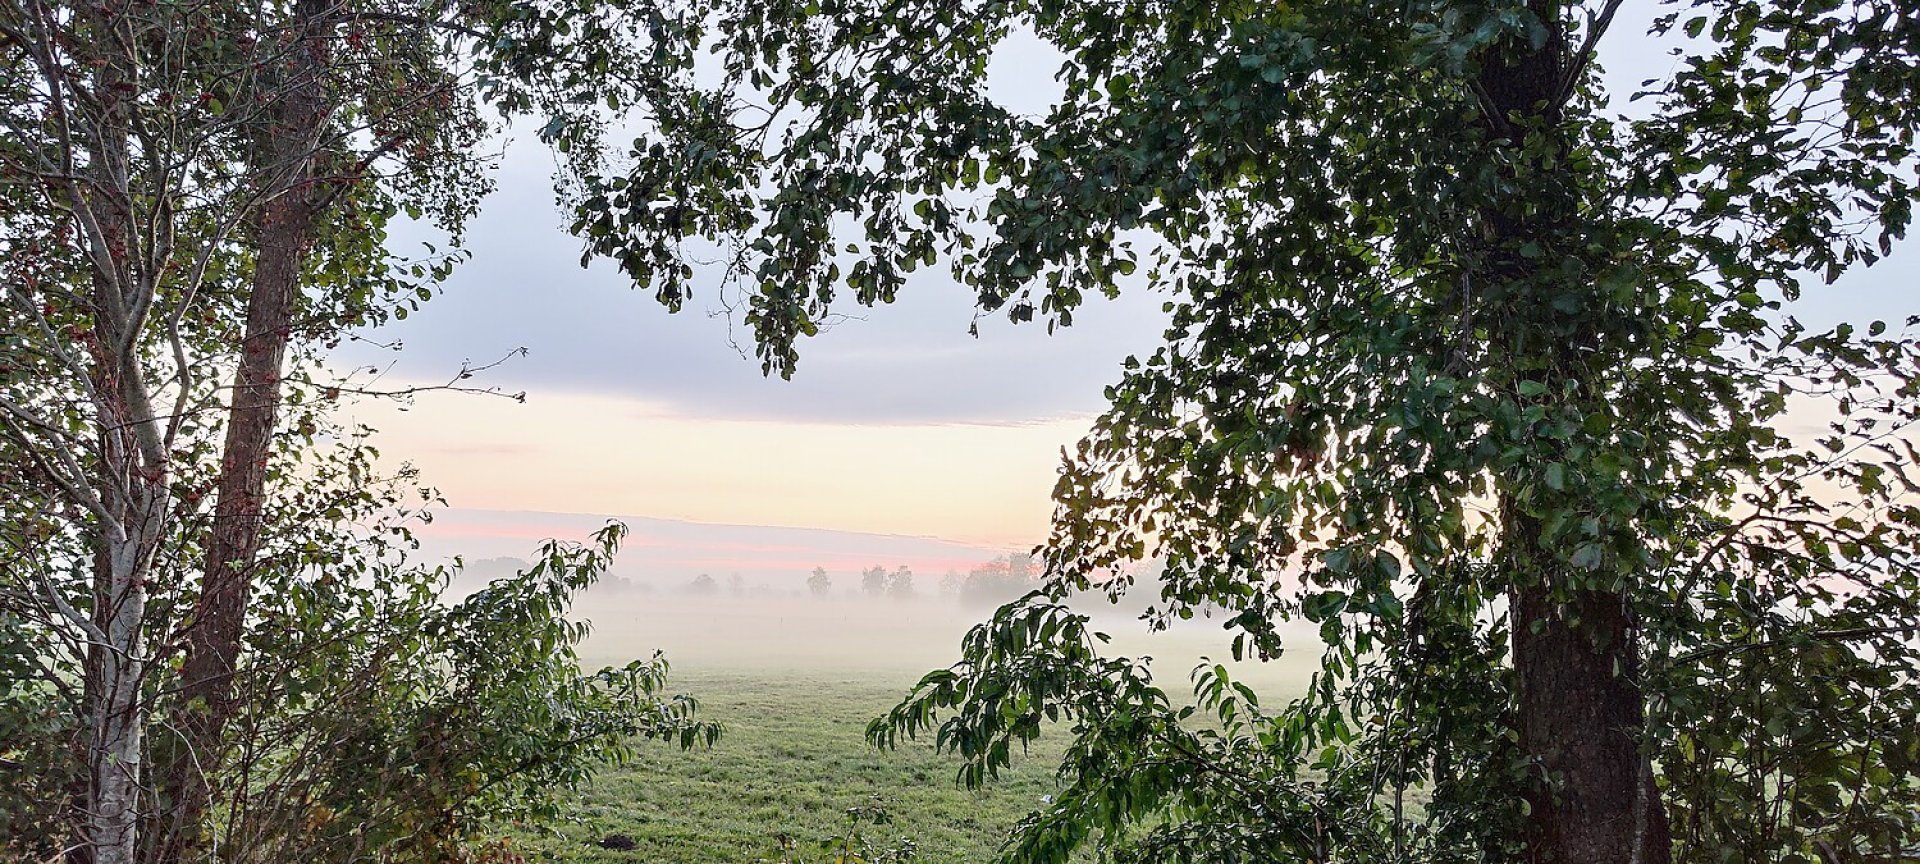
(668,553)
(897,422)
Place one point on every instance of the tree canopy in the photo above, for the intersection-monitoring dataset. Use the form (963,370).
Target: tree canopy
(194,205)
(1497,383)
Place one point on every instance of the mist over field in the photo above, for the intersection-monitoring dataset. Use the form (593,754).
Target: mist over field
(793,640)
(664,552)
(895,640)
(726,598)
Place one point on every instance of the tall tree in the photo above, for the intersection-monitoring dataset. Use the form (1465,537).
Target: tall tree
(289,143)
(99,282)
(1486,377)
(194,191)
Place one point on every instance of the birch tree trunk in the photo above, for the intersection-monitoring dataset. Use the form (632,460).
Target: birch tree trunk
(127,487)
(117,719)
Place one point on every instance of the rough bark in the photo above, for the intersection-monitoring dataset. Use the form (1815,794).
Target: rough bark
(283,233)
(213,638)
(1581,713)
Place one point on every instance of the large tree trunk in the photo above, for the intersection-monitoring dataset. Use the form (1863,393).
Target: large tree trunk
(283,233)
(213,636)
(1575,652)
(214,633)
(1592,797)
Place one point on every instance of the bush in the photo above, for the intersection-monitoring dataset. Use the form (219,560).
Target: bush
(379,718)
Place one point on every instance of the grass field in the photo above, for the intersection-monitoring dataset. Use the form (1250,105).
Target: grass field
(793,757)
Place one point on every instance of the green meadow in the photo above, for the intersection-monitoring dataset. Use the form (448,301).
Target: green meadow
(794,756)
(793,760)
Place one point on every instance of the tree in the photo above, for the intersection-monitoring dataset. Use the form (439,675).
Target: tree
(1486,378)
(819,582)
(997,581)
(900,583)
(703,586)
(873,581)
(190,192)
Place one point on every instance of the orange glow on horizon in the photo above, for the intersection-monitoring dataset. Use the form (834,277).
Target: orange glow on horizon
(985,486)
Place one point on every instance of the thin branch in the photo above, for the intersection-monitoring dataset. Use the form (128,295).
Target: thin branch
(415,21)
(452,385)
(1596,28)
(70,477)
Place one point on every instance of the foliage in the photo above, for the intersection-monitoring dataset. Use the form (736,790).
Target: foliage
(37,761)
(390,721)
(1488,379)
(141,145)
(873,581)
(378,719)
(150,156)
(995,582)
(900,583)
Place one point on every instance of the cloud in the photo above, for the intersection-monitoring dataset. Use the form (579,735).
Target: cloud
(591,331)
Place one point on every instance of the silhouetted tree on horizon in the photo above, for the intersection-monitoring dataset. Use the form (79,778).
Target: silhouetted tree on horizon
(873,581)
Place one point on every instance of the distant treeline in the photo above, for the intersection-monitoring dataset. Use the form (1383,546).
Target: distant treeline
(987,584)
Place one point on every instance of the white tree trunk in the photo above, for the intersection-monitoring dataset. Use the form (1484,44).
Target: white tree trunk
(118,718)
(118,712)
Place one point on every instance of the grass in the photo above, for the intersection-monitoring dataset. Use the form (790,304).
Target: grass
(793,759)
(795,682)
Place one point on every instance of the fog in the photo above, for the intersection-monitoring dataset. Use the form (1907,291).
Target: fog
(721,599)
(885,638)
